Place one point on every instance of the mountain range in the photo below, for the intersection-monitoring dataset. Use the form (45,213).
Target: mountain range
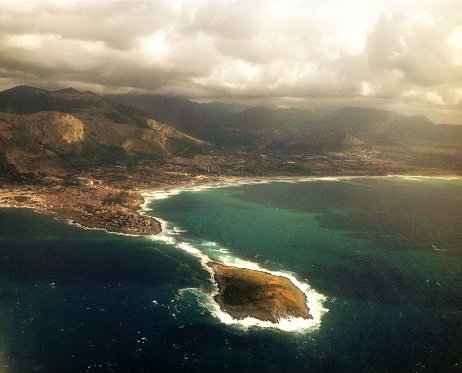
(266,127)
(52,132)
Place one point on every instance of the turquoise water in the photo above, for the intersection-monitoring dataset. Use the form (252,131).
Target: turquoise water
(379,257)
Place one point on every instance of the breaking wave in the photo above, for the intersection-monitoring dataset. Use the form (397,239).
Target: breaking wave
(206,251)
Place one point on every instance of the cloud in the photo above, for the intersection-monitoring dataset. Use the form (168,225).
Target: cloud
(347,51)
(416,45)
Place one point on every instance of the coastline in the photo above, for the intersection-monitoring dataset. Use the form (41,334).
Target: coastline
(139,206)
(89,211)
(85,207)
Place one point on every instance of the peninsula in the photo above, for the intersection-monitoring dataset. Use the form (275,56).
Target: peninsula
(250,293)
(100,207)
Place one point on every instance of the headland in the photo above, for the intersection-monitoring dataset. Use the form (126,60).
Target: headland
(98,207)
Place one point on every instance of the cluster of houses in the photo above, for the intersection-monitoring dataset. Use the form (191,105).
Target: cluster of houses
(80,181)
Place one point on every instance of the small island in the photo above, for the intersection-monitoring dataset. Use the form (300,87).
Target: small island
(250,293)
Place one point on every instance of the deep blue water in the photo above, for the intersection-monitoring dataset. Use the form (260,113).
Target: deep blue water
(386,255)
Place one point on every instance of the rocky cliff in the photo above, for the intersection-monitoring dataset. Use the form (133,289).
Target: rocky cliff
(57,131)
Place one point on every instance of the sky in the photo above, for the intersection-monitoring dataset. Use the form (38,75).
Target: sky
(397,55)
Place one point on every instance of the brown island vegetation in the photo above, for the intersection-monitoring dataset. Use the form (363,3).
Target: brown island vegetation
(250,293)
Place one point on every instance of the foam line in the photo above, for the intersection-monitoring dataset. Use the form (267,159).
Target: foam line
(207,251)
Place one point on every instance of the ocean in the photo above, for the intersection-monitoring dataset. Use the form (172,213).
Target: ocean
(380,259)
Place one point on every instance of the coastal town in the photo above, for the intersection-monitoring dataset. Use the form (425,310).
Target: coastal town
(108,197)
(93,205)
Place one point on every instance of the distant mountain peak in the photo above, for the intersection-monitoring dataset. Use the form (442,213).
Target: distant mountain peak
(68,90)
(24,89)
(421,118)
(87,92)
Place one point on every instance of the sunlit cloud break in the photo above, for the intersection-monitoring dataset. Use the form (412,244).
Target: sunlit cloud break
(402,55)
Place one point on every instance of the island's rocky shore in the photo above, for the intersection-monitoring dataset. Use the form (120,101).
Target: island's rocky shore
(251,293)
